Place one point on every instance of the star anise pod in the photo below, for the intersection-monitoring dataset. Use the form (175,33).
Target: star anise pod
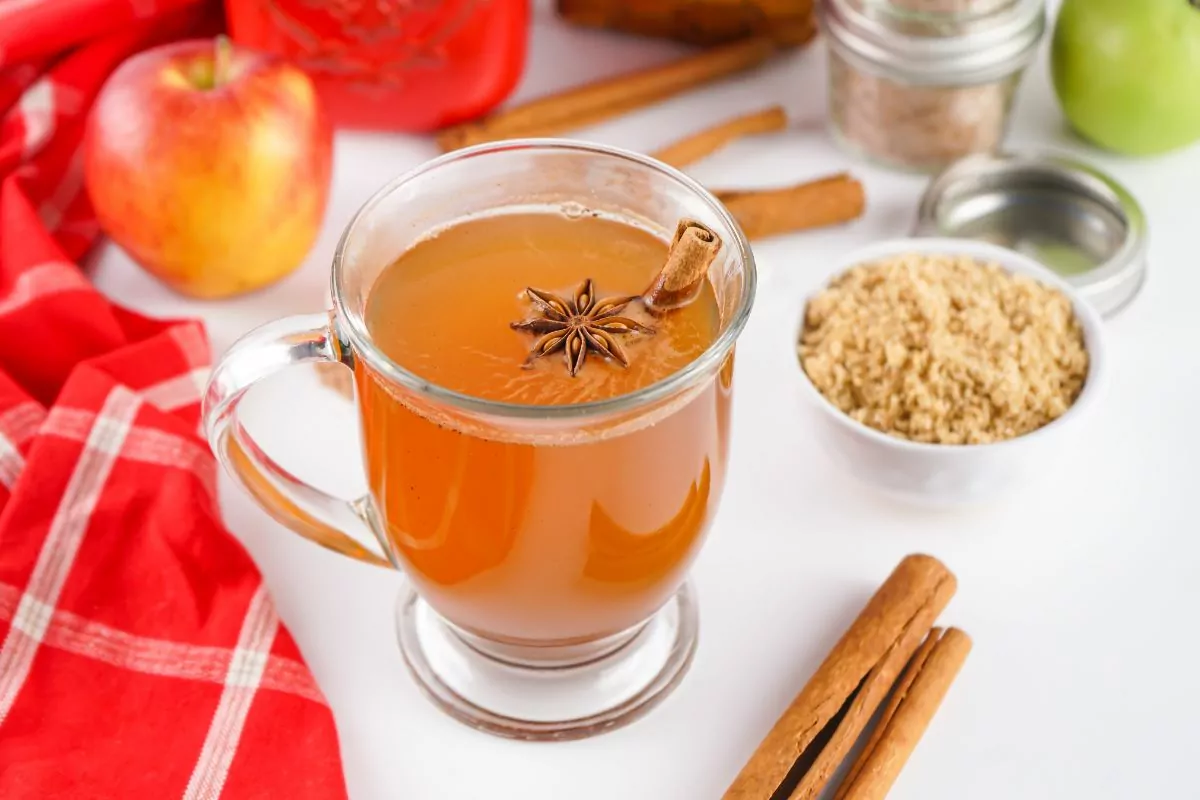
(578,324)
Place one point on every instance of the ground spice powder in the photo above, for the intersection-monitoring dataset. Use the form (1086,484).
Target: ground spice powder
(913,126)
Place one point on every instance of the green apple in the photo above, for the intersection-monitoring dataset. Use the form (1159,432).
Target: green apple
(1127,72)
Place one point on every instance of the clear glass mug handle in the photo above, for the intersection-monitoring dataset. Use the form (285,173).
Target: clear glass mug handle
(314,514)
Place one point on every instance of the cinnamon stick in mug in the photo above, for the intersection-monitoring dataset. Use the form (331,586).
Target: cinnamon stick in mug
(604,99)
(693,249)
(852,682)
(708,141)
(770,212)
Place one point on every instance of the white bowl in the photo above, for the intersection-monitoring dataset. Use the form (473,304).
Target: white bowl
(942,475)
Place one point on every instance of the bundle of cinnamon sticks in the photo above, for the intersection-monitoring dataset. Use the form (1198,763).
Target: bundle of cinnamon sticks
(890,657)
(761,212)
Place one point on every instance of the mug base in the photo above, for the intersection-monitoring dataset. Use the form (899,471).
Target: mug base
(530,698)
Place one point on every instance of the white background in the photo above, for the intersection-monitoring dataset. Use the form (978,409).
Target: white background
(1081,595)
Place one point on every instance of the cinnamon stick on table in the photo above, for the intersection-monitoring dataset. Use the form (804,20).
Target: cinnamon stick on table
(889,711)
(698,145)
(906,716)
(601,100)
(769,212)
(848,687)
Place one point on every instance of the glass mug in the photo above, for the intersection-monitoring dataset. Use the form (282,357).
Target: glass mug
(545,547)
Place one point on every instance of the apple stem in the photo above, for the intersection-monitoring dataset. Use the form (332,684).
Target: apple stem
(222,55)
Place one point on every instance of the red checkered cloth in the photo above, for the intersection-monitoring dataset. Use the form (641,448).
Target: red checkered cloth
(140,655)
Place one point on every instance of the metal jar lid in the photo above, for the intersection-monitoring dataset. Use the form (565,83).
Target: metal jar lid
(1068,215)
(969,50)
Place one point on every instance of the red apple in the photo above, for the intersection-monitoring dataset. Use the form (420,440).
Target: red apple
(210,165)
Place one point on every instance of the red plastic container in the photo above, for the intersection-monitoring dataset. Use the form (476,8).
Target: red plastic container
(409,65)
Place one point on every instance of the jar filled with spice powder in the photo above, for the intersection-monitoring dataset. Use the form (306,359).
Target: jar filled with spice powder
(918,84)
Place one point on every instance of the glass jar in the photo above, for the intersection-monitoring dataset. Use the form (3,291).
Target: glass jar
(918,84)
(408,65)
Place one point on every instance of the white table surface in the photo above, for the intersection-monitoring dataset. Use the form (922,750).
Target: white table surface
(1081,595)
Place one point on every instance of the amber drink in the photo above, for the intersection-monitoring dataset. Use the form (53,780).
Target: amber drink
(570,538)
(544,446)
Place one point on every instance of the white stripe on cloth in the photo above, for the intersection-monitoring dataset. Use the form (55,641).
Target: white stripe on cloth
(53,277)
(147,445)
(54,207)
(182,390)
(192,344)
(36,606)
(20,423)
(241,683)
(104,643)
(36,108)
(11,462)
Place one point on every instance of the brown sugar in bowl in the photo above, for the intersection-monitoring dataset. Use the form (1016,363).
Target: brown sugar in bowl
(947,449)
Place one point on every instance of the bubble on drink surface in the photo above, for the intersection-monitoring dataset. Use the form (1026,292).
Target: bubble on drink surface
(573,210)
